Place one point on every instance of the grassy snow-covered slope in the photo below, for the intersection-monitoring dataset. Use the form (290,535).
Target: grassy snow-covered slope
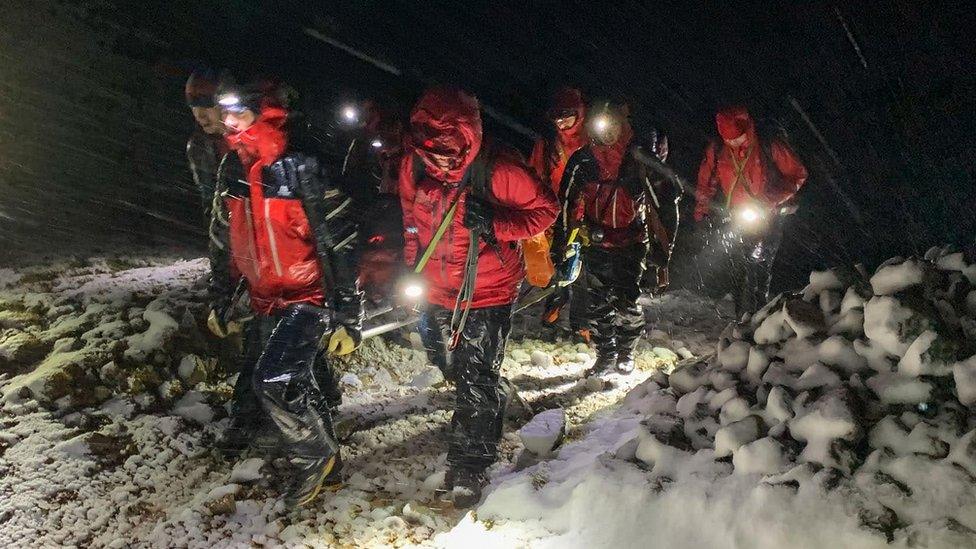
(112,396)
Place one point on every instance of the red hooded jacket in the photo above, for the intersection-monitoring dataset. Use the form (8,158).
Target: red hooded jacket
(271,241)
(448,121)
(754,185)
(549,160)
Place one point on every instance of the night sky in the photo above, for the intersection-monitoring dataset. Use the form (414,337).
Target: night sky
(879,100)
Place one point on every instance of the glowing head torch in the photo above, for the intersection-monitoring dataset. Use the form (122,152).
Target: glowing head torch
(349,114)
(749,215)
(412,287)
(377,143)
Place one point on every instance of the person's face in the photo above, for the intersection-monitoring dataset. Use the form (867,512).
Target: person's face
(208,118)
(738,141)
(565,122)
(443,162)
(239,121)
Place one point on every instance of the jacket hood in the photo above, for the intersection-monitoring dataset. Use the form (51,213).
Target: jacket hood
(734,122)
(265,140)
(567,99)
(610,157)
(446,121)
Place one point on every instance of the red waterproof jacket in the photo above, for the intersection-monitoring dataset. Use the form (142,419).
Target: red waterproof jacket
(271,241)
(748,172)
(549,159)
(449,121)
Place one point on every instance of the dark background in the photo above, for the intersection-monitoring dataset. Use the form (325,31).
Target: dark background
(879,99)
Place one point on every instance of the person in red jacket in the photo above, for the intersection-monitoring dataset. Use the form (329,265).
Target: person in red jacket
(447,162)
(289,237)
(759,178)
(631,215)
(567,113)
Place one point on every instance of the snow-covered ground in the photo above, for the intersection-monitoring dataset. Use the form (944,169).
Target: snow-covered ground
(112,400)
(838,416)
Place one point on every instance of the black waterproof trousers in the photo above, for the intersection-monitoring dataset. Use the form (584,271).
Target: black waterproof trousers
(248,411)
(286,387)
(474,366)
(613,284)
(751,258)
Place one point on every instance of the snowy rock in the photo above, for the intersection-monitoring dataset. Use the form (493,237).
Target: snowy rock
(773,329)
(520,356)
(192,369)
(544,432)
(838,351)
(757,364)
(427,378)
(734,357)
(247,470)
(852,301)
(964,375)
(687,379)
(734,410)
(192,406)
(829,302)
(684,353)
(541,359)
(804,318)
(892,434)
(820,281)
(799,354)
(817,375)
(729,438)
(891,279)
(765,456)
(827,421)
(885,324)
(849,323)
(877,358)
(655,451)
(719,399)
(898,389)
(689,402)
(928,355)
(779,406)
(18,350)
(963,452)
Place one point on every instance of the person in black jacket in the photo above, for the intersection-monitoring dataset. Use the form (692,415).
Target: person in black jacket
(630,213)
(287,230)
(206,147)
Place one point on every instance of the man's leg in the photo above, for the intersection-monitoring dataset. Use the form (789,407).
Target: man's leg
(480,403)
(285,384)
(434,328)
(247,417)
(629,316)
(600,310)
(328,379)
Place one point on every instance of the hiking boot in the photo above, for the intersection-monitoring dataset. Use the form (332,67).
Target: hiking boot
(603,365)
(237,438)
(465,487)
(310,475)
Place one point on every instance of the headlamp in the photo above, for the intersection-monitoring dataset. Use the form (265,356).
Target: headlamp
(377,143)
(229,100)
(749,214)
(601,123)
(412,287)
(349,114)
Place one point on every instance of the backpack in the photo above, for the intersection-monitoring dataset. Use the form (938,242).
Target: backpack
(537,262)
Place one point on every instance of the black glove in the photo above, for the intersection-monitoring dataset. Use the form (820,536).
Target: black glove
(478,216)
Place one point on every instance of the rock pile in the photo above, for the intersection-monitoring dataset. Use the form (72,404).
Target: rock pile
(855,382)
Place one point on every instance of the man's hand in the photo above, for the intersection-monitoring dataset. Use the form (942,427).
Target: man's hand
(478,216)
(344,341)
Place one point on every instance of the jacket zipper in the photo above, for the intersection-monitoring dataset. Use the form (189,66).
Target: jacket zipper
(249,219)
(271,239)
